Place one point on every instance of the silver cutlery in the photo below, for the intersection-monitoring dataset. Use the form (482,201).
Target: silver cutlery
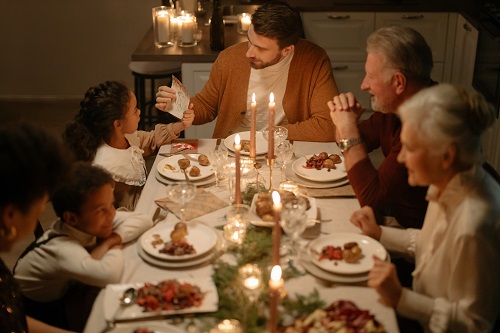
(171,154)
(217,144)
(128,297)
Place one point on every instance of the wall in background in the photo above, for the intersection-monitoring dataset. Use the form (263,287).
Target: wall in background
(60,48)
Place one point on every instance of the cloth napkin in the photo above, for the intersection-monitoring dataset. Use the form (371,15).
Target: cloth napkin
(345,191)
(203,203)
(188,146)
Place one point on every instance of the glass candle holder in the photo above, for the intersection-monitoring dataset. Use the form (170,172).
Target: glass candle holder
(186,30)
(237,219)
(243,23)
(163,33)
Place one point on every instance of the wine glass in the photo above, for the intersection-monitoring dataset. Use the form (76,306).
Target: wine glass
(280,135)
(218,159)
(284,153)
(181,193)
(293,222)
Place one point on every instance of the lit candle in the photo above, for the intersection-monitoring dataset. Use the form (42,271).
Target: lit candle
(229,326)
(251,283)
(277,227)
(275,284)
(163,21)
(252,127)
(270,127)
(245,22)
(237,183)
(187,28)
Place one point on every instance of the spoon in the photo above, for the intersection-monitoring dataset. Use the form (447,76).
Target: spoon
(127,298)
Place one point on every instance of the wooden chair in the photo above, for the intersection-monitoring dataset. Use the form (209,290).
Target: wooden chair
(491,170)
(155,72)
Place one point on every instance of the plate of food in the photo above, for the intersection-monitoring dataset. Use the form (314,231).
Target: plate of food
(261,209)
(260,143)
(322,167)
(348,309)
(167,297)
(146,327)
(197,167)
(345,253)
(179,242)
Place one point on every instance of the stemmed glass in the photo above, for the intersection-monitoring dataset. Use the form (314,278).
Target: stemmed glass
(218,159)
(280,135)
(293,222)
(181,193)
(284,153)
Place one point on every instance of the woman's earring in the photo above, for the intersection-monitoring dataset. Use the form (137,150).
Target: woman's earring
(10,234)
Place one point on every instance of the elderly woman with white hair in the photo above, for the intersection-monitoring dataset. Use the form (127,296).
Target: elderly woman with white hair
(456,282)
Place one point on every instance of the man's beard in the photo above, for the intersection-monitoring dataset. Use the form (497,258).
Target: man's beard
(262,65)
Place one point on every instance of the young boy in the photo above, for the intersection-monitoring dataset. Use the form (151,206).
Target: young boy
(83,247)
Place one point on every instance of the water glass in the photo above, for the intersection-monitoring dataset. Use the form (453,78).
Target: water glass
(293,222)
(280,135)
(181,193)
(218,159)
(283,153)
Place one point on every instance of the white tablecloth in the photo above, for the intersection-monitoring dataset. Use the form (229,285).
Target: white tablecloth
(136,270)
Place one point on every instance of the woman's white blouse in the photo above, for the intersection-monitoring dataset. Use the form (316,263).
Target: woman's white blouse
(456,282)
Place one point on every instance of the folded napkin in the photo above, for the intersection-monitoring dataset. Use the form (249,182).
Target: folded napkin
(203,203)
(188,146)
(345,191)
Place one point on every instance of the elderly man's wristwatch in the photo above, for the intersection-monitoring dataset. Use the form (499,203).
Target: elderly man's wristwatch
(346,144)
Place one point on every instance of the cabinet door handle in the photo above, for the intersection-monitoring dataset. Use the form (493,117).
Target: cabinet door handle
(340,68)
(467,27)
(339,17)
(412,17)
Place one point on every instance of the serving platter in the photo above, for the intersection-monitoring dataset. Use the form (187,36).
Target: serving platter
(169,168)
(202,237)
(311,213)
(113,291)
(260,142)
(323,175)
(368,245)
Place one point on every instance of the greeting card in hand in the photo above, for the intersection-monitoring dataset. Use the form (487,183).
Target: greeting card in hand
(181,102)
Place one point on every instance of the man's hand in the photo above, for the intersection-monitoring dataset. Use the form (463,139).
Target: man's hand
(364,219)
(188,116)
(383,278)
(164,97)
(345,111)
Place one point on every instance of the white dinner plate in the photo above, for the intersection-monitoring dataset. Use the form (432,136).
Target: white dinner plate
(113,291)
(305,261)
(311,213)
(177,174)
(368,245)
(202,237)
(260,142)
(323,175)
(291,175)
(202,182)
(196,262)
(365,299)
(151,326)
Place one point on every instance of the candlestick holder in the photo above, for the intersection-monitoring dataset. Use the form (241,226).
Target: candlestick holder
(270,163)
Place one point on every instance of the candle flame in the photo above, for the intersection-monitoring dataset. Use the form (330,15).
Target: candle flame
(253,98)
(271,98)
(276,273)
(237,139)
(276,197)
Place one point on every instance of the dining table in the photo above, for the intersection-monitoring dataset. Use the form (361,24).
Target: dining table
(334,214)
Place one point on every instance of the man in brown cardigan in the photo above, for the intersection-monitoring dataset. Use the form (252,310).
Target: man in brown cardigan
(274,59)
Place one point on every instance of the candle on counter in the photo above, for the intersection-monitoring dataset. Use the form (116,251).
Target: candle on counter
(237,181)
(275,284)
(163,21)
(277,228)
(270,127)
(253,117)
(187,29)
(245,22)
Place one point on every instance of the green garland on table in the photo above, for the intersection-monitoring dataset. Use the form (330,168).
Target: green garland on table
(234,304)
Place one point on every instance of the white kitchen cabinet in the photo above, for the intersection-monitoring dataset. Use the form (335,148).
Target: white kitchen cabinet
(343,35)
(465,53)
(194,77)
